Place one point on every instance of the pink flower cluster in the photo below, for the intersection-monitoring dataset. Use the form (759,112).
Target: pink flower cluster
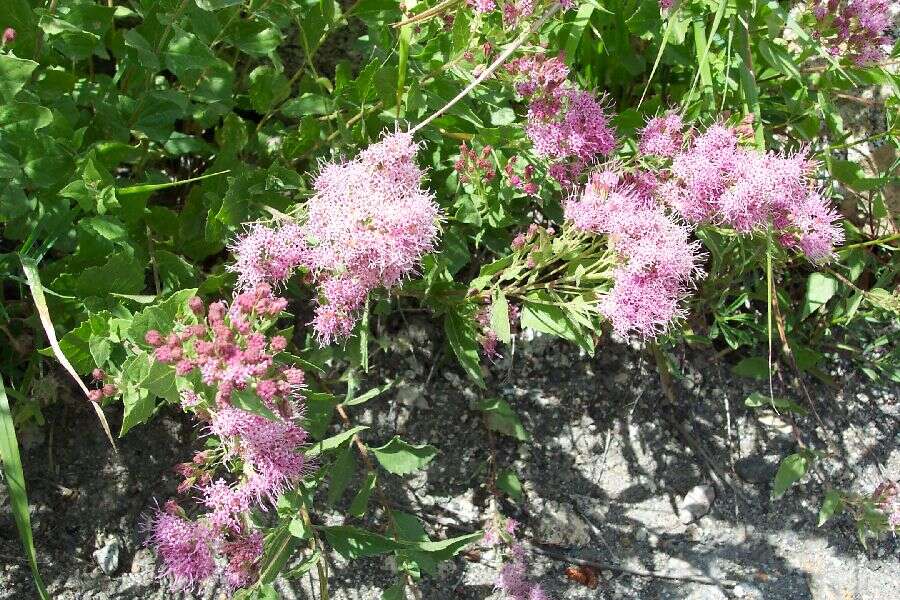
(659,263)
(567,125)
(524,181)
(717,179)
(886,497)
(856,29)
(513,10)
(369,222)
(368,226)
(512,579)
(232,354)
(474,166)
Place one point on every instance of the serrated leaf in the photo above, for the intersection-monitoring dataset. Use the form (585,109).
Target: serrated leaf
(160,316)
(297,528)
(139,405)
(758,400)
(342,471)
(334,441)
(360,503)
(400,458)
(791,469)
(461,337)
(501,417)
(832,504)
(753,366)
(374,392)
(268,88)
(14,74)
(500,317)
(353,542)
(819,290)
(508,481)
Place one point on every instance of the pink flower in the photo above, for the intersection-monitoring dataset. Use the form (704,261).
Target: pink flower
(482,6)
(815,229)
(662,136)
(856,29)
(369,224)
(269,448)
(243,556)
(579,129)
(9,35)
(185,548)
(267,255)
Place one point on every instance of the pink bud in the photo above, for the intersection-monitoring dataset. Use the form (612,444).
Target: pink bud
(9,35)
(196,306)
(95,395)
(98,374)
(153,337)
(109,390)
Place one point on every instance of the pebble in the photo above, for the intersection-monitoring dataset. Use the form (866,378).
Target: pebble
(696,503)
(109,555)
(560,525)
(756,468)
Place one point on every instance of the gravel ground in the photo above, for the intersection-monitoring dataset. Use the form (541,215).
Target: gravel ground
(603,476)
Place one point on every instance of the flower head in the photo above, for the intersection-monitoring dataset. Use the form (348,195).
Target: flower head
(185,548)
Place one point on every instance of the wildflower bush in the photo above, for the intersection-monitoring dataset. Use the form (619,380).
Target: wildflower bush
(205,204)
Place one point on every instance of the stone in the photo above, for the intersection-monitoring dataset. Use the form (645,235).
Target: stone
(696,503)
(560,525)
(108,556)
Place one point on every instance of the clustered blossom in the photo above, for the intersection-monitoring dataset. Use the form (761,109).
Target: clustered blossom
(662,136)
(474,166)
(368,226)
(513,10)
(231,353)
(886,497)
(717,179)
(524,181)
(658,262)
(512,577)
(856,29)
(371,222)
(566,125)
(267,254)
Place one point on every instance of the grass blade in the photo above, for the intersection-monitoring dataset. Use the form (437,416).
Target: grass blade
(15,482)
(662,48)
(40,303)
(146,188)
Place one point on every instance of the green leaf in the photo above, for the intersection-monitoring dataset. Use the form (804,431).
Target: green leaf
(541,314)
(15,484)
(461,337)
(334,441)
(791,469)
(401,458)
(304,567)
(832,505)
(500,417)
(353,542)
(395,592)
(211,5)
(500,317)
(139,405)
(268,88)
(160,316)
(249,401)
(508,481)
(14,74)
(753,366)
(362,398)
(342,470)
(819,290)
(278,548)
(757,400)
(297,527)
(361,502)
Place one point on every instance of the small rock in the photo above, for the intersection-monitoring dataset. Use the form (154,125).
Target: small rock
(560,525)
(108,556)
(748,591)
(696,503)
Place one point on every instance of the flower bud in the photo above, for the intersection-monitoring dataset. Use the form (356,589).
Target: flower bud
(9,36)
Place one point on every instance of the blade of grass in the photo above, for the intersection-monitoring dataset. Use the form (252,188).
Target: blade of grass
(15,482)
(403,52)
(153,187)
(29,266)
(749,88)
(702,40)
(662,48)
